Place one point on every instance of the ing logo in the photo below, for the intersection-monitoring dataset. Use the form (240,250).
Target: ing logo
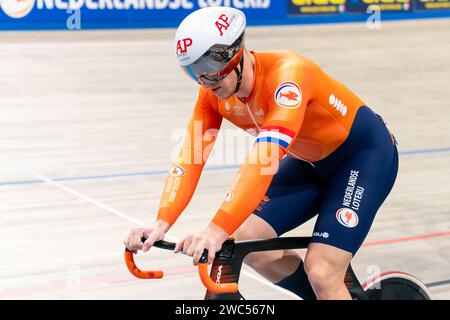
(17,8)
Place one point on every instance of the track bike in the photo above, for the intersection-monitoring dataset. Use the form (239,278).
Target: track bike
(222,281)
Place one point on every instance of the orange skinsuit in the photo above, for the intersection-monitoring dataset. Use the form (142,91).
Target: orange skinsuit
(294,108)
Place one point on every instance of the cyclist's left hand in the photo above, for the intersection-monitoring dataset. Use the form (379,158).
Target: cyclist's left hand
(210,239)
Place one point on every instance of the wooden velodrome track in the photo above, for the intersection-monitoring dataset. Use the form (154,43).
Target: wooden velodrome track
(86,122)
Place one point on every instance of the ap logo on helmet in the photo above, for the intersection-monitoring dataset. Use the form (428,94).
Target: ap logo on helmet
(17,8)
(183,45)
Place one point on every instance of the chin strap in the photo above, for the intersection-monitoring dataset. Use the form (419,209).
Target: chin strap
(239,74)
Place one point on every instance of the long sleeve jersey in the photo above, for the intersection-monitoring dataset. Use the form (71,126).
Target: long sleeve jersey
(294,109)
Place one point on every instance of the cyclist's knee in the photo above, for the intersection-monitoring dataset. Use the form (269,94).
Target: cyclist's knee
(321,275)
(326,282)
(326,267)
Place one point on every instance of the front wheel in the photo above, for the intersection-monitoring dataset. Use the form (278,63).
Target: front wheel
(396,286)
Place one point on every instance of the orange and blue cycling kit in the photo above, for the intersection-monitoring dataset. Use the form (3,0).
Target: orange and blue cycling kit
(318,150)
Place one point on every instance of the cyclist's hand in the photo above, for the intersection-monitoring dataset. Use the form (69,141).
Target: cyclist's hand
(210,239)
(152,233)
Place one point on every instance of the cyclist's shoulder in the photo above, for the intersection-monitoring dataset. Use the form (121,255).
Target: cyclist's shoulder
(276,64)
(280,66)
(280,59)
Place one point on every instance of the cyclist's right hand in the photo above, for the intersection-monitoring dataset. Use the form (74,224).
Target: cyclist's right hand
(152,233)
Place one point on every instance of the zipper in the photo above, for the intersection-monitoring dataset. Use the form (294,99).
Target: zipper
(251,116)
(259,128)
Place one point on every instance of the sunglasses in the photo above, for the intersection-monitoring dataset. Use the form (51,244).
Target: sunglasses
(211,80)
(208,79)
(217,63)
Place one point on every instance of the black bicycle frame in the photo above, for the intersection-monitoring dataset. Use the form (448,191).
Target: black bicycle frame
(227,264)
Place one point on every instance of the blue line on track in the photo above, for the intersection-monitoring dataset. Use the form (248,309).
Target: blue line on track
(163,172)
(437,283)
(424,151)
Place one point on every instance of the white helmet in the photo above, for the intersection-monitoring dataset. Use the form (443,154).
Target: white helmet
(210,43)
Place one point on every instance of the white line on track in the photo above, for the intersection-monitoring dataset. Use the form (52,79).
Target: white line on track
(140,223)
(85,198)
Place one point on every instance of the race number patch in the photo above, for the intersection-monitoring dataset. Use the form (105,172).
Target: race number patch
(288,95)
(347,217)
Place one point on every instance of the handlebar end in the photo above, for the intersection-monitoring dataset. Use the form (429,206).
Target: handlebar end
(141,274)
(213,286)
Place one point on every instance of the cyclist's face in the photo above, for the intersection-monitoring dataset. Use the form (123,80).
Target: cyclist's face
(224,88)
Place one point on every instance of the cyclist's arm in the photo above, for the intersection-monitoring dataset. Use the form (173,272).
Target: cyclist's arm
(183,176)
(255,175)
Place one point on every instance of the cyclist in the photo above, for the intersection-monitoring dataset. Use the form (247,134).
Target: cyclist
(319,150)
